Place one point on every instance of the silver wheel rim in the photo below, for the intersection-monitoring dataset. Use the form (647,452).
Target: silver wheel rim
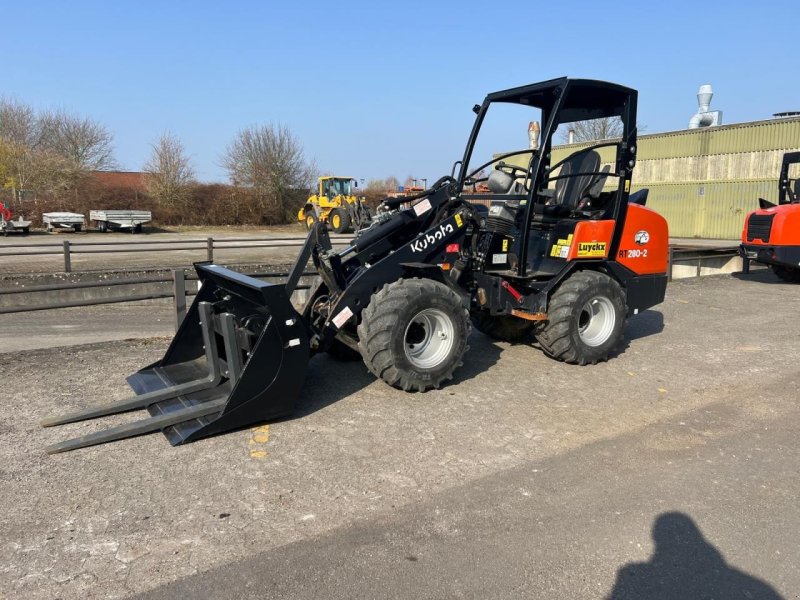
(429,338)
(596,321)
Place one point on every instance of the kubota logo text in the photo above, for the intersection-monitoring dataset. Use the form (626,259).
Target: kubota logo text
(430,238)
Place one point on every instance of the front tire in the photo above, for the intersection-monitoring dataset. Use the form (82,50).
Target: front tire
(339,220)
(787,274)
(586,317)
(413,334)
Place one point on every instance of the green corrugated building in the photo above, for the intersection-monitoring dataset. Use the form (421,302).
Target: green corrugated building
(704,181)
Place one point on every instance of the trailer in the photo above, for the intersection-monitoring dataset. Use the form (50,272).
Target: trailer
(8,225)
(63,220)
(112,220)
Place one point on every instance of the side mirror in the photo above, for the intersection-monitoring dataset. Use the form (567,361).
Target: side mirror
(355,183)
(762,204)
(639,197)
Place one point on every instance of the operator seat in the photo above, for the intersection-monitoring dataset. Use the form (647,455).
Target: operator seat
(570,189)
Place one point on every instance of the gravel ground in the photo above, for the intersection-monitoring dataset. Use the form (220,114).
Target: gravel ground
(109,521)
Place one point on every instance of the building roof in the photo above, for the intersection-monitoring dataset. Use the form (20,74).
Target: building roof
(128,179)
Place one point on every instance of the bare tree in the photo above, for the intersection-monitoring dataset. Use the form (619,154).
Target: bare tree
(19,131)
(593,130)
(271,160)
(48,153)
(85,143)
(169,171)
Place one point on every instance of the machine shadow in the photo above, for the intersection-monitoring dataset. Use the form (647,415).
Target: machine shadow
(645,324)
(483,353)
(685,565)
(352,376)
(760,276)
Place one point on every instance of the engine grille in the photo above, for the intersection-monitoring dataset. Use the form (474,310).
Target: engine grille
(759,227)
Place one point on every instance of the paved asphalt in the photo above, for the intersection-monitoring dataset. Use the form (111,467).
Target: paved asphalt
(85,325)
(701,506)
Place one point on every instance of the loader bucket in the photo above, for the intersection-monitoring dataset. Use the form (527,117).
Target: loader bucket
(239,358)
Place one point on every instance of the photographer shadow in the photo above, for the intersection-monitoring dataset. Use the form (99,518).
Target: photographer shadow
(685,565)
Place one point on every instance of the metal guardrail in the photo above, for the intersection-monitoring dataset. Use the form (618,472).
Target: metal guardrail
(178,278)
(69,248)
(179,293)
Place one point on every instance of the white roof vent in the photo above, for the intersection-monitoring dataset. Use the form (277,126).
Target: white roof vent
(705,117)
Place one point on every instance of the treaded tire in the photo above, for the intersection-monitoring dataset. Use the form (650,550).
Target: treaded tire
(310,219)
(344,220)
(560,336)
(385,329)
(505,328)
(788,274)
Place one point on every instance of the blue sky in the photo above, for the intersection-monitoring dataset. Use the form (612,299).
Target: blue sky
(374,90)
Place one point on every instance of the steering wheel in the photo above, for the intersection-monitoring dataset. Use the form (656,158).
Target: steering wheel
(511,169)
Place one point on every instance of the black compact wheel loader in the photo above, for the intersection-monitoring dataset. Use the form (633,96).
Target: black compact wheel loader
(564,254)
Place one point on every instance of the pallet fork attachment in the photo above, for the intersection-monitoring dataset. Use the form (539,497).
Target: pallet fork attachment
(239,358)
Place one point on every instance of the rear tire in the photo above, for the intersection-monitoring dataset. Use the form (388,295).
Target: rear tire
(339,220)
(505,328)
(788,274)
(413,334)
(586,317)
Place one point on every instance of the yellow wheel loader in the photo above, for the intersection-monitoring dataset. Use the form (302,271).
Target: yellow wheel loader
(335,204)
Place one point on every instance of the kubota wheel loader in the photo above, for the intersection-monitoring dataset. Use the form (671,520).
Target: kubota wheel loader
(564,254)
(771,234)
(335,204)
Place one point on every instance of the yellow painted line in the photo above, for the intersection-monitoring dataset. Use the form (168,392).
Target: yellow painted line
(259,437)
